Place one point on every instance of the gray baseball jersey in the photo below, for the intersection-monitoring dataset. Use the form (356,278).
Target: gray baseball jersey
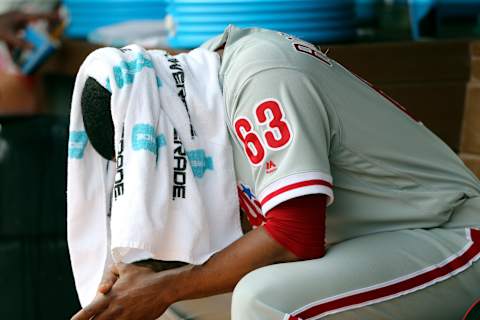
(302,124)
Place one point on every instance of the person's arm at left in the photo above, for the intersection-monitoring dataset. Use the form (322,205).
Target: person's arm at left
(140,293)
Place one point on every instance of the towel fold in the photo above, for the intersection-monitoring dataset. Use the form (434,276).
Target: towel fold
(170,193)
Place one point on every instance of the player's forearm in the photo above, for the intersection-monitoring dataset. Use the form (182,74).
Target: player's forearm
(223,270)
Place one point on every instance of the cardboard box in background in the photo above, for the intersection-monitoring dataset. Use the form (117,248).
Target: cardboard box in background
(470,141)
(472,161)
(475,75)
(406,62)
(470,136)
(475,61)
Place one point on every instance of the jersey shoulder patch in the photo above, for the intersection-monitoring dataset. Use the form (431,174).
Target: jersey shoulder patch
(273,132)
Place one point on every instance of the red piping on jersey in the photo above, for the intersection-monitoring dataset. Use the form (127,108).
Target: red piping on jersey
(386,96)
(296,185)
(447,269)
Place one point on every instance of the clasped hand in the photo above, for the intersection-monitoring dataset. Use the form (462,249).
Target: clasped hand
(130,292)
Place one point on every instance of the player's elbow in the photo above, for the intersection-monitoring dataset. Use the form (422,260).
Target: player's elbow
(295,251)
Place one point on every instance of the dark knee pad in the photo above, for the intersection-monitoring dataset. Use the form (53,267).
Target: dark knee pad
(97,118)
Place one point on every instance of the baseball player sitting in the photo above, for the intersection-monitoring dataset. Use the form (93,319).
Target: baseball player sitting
(359,211)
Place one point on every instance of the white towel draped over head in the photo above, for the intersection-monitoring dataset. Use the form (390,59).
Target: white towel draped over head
(170,193)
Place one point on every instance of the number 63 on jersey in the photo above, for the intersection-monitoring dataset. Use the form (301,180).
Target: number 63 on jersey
(276,133)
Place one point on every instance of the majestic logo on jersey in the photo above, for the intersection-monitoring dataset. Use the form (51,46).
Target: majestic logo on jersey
(270,167)
(276,132)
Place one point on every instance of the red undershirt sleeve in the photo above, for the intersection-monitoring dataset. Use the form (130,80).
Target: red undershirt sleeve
(299,225)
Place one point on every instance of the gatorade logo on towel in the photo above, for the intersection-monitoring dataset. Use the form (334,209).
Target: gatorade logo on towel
(76,144)
(144,137)
(126,71)
(179,77)
(179,168)
(199,162)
